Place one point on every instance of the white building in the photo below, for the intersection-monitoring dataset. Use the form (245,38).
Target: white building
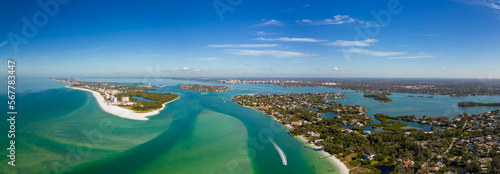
(125,99)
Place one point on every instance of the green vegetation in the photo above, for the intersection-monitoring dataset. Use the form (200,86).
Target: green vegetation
(405,151)
(201,87)
(389,125)
(454,88)
(451,87)
(472,104)
(438,121)
(141,88)
(382,97)
(114,93)
(157,99)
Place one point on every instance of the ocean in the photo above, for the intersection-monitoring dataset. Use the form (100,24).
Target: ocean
(62,130)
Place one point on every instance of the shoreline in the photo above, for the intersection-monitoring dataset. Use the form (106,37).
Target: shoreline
(340,165)
(119,111)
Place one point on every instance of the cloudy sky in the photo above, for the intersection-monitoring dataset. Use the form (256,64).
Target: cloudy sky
(220,38)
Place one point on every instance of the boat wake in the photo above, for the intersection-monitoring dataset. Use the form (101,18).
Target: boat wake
(282,154)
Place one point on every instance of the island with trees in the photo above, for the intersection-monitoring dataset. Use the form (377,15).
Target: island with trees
(466,143)
(130,96)
(451,87)
(472,104)
(382,97)
(205,88)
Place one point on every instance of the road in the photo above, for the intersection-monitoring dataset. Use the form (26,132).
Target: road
(444,154)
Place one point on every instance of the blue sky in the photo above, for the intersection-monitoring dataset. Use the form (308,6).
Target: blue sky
(288,38)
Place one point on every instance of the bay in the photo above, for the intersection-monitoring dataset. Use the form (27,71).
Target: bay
(61,129)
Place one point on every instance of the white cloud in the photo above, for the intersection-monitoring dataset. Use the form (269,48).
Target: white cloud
(263,33)
(335,68)
(3,43)
(303,21)
(306,20)
(260,33)
(92,49)
(412,57)
(202,70)
(339,19)
(242,45)
(494,4)
(271,22)
(442,68)
(208,58)
(292,9)
(372,53)
(287,39)
(309,55)
(346,43)
(273,53)
(185,69)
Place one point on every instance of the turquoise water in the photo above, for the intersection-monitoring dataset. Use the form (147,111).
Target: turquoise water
(61,129)
(439,105)
(140,98)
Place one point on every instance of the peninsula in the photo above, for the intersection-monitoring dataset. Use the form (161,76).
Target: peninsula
(131,102)
(205,88)
(451,87)
(402,148)
(301,112)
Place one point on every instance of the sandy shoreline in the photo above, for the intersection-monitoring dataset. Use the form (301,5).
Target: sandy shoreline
(119,111)
(340,165)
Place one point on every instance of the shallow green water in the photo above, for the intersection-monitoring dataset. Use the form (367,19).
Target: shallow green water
(64,130)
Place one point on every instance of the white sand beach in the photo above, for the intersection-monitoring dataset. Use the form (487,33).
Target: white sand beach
(340,165)
(119,111)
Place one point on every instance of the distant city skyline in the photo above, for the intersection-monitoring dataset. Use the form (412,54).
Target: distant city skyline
(328,39)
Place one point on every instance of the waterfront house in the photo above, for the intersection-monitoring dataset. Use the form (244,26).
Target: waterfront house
(368,156)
